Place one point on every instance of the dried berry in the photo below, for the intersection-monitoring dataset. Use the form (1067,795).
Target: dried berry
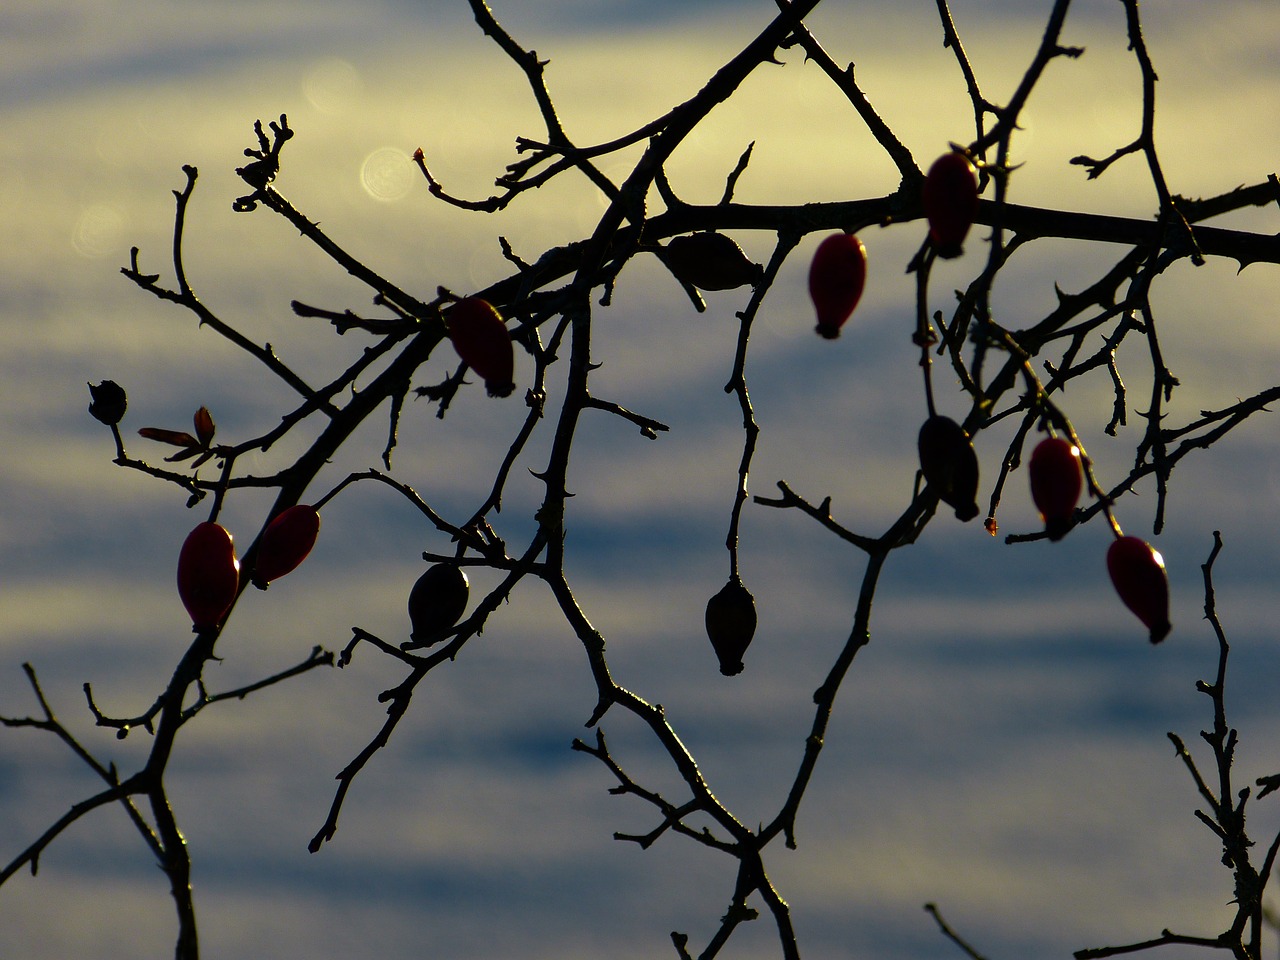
(1056,483)
(709,261)
(208,574)
(1137,571)
(285,543)
(949,463)
(836,278)
(950,203)
(107,402)
(436,602)
(482,340)
(731,623)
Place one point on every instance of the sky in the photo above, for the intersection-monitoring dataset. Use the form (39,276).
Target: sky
(1000,747)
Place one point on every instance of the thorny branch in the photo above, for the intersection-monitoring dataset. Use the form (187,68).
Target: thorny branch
(548,304)
(1225,817)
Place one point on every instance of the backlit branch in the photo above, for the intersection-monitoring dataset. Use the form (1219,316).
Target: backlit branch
(1012,372)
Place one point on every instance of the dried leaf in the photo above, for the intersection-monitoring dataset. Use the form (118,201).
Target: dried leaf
(204,426)
(186,454)
(179,438)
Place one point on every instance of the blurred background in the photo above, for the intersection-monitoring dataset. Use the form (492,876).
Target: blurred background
(1000,748)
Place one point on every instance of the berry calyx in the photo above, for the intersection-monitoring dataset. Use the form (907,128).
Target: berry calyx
(208,574)
(285,543)
(436,602)
(482,340)
(1056,483)
(950,465)
(836,278)
(1137,571)
(950,203)
(731,623)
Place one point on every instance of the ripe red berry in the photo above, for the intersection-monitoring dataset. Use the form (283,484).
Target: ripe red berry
(836,278)
(1137,571)
(1056,483)
(208,574)
(483,341)
(731,623)
(436,602)
(285,543)
(950,202)
(949,463)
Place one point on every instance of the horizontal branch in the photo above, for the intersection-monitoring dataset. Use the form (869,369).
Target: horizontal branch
(1164,939)
(1026,221)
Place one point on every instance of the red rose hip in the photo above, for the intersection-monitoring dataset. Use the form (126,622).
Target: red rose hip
(436,602)
(286,542)
(836,278)
(482,340)
(709,261)
(208,574)
(1137,571)
(950,465)
(1056,483)
(731,623)
(950,203)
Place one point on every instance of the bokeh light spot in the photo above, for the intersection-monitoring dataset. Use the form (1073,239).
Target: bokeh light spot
(333,86)
(387,174)
(99,230)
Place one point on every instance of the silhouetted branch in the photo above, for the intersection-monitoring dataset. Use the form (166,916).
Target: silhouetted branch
(950,934)
(1225,818)
(549,302)
(319,657)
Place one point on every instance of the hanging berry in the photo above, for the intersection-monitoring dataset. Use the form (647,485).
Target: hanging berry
(436,602)
(107,402)
(709,261)
(482,340)
(731,623)
(285,543)
(1056,483)
(949,463)
(208,574)
(1137,571)
(950,203)
(836,278)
